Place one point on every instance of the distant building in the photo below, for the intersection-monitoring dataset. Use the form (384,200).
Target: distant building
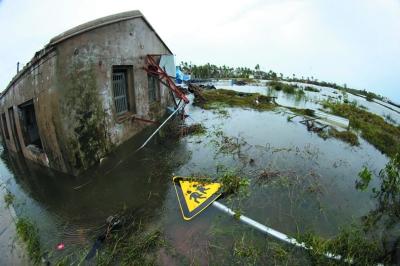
(88,90)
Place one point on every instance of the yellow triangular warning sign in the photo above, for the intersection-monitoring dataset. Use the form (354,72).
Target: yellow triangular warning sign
(195,195)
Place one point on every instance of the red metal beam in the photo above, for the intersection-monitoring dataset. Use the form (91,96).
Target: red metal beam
(153,68)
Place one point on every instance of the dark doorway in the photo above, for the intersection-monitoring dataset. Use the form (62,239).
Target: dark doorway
(29,125)
(14,129)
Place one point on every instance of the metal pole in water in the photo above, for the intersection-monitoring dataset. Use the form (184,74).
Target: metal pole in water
(269,231)
(165,121)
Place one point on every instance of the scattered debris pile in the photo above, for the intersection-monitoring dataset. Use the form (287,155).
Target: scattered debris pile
(193,129)
(313,125)
(327,131)
(210,99)
(181,130)
(346,136)
(267,175)
(183,89)
(197,92)
(207,86)
(240,82)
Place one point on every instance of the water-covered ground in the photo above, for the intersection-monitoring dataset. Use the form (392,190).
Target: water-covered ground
(309,185)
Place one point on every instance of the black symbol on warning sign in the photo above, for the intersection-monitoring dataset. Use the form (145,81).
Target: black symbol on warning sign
(195,195)
(198,194)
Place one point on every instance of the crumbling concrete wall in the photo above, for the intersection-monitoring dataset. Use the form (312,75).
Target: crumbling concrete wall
(73,98)
(37,85)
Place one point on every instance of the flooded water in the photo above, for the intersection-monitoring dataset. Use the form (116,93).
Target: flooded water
(315,189)
(312,100)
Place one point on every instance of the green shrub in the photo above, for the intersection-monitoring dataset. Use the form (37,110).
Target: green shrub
(28,233)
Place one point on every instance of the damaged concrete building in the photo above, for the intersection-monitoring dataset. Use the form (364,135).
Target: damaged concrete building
(87,91)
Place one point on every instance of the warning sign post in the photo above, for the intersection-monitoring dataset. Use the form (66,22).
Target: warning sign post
(195,195)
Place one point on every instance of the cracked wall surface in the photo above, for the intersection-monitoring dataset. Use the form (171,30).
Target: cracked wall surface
(71,87)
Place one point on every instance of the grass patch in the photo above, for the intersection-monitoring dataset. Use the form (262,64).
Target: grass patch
(369,96)
(222,113)
(245,253)
(233,183)
(131,249)
(212,99)
(365,177)
(134,249)
(300,111)
(244,81)
(196,129)
(312,89)
(280,86)
(227,145)
(351,243)
(28,233)
(131,243)
(346,136)
(388,195)
(8,198)
(268,175)
(286,88)
(374,129)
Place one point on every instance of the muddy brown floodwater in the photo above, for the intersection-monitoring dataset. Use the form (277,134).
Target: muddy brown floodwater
(298,182)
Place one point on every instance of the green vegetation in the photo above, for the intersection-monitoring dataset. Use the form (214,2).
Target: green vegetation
(8,198)
(222,113)
(210,71)
(388,195)
(364,243)
(129,243)
(212,99)
(352,243)
(369,96)
(280,86)
(28,233)
(384,136)
(245,253)
(346,136)
(87,137)
(312,89)
(196,129)
(286,88)
(234,244)
(233,183)
(300,111)
(365,177)
(131,248)
(390,119)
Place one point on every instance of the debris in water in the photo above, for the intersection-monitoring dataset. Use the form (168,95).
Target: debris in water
(194,129)
(211,99)
(266,175)
(60,246)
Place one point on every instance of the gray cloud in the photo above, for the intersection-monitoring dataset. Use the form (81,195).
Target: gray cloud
(353,42)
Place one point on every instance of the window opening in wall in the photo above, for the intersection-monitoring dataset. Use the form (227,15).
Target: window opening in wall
(14,128)
(5,128)
(119,83)
(154,88)
(29,125)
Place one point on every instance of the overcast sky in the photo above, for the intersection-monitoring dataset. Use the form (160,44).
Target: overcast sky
(343,41)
